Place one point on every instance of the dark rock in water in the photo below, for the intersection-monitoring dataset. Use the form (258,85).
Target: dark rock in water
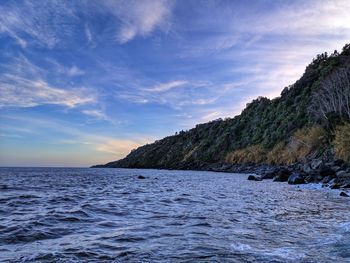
(141,177)
(251,178)
(344,194)
(282,175)
(343,180)
(334,185)
(296,178)
(269,174)
(254,178)
(311,177)
(327,179)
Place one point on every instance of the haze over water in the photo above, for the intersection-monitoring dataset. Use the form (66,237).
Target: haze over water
(109,215)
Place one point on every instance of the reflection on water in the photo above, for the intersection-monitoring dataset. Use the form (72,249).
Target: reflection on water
(109,215)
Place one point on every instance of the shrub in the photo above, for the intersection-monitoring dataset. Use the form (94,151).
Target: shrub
(280,154)
(250,154)
(342,142)
(305,143)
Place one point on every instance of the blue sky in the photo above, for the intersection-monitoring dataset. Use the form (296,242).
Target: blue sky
(84,82)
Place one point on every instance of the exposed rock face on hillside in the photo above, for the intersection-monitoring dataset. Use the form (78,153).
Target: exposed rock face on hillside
(304,123)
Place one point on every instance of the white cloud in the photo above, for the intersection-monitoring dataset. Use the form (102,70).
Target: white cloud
(20,92)
(88,33)
(167,86)
(140,18)
(46,22)
(95,113)
(23,84)
(307,18)
(74,71)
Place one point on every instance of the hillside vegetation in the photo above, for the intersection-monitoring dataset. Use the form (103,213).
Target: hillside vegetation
(310,119)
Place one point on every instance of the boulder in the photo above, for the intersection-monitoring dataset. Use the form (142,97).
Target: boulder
(311,177)
(334,185)
(296,178)
(282,175)
(316,163)
(344,180)
(254,178)
(251,178)
(344,175)
(141,177)
(338,162)
(306,168)
(327,179)
(344,194)
(269,174)
(325,170)
(336,168)
(340,173)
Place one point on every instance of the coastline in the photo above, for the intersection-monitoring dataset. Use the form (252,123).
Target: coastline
(332,174)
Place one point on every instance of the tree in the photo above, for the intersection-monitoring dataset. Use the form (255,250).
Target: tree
(333,96)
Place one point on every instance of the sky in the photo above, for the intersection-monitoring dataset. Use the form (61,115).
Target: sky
(84,82)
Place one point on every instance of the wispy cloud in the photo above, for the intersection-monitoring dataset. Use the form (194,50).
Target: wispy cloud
(88,33)
(18,92)
(176,94)
(95,113)
(100,115)
(75,71)
(305,17)
(167,86)
(45,22)
(140,18)
(23,84)
(71,71)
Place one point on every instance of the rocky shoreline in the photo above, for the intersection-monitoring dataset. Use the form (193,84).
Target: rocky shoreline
(331,174)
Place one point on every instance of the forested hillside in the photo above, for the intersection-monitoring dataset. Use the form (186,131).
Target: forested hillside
(310,119)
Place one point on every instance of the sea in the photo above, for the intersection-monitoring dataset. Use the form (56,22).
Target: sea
(113,215)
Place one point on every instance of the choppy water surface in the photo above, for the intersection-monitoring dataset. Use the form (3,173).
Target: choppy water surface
(108,215)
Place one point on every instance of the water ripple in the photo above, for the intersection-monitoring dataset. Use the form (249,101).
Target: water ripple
(109,215)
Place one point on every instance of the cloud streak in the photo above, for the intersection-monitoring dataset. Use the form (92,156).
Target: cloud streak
(23,85)
(167,86)
(140,18)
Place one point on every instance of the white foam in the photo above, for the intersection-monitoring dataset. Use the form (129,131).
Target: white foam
(240,246)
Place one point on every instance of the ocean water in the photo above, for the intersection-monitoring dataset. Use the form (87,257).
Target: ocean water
(109,215)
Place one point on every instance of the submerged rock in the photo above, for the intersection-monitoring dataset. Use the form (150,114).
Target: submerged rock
(251,178)
(141,177)
(254,178)
(344,194)
(296,178)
